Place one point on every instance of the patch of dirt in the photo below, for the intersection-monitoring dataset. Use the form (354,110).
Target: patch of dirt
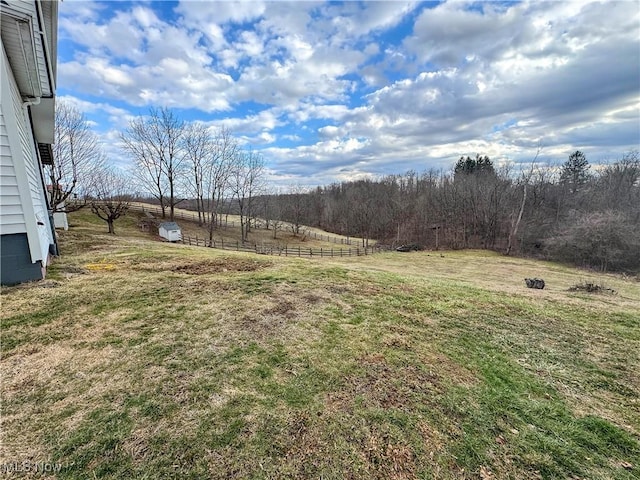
(285,308)
(261,327)
(381,385)
(339,289)
(388,458)
(220,265)
(268,322)
(434,440)
(204,267)
(312,298)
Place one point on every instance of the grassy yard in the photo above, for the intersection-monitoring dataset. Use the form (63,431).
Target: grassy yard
(146,360)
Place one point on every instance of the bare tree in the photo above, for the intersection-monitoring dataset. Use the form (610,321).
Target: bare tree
(274,214)
(607,240)
(272,210)
(515,224)
(197,146)
(109,197)
(296,207)
(155,144)
(216,175)
(618,185)
(247,177)
(75,155)
(365,208)
(147,170)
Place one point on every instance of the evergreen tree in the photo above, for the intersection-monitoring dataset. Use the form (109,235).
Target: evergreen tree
(575,171)
(470,165)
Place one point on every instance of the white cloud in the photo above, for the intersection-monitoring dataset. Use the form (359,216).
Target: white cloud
(223,12)
(91,107)
(329,131)
(268,119)
(340,81)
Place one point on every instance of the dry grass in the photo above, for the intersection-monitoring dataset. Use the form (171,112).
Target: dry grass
(284,236)
(142,359)
(495,272)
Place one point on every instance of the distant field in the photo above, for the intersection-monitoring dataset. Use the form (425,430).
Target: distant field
(146,360)
(307,237)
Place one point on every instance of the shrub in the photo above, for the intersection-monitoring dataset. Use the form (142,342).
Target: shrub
(605,240)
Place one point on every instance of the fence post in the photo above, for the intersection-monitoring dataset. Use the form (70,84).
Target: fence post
(320,252)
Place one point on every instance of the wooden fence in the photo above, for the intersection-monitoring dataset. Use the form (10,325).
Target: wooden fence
(193,217)
(327,238)
(285,251)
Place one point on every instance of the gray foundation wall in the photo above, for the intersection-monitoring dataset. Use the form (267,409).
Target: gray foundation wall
(15,260)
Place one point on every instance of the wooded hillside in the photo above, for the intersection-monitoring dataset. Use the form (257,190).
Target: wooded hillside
(574,213)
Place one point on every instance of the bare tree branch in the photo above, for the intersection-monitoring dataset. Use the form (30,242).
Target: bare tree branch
(75,155)
(155,144)
(109,196)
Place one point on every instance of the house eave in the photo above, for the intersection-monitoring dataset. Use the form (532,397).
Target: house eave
(29,47)
(43,119)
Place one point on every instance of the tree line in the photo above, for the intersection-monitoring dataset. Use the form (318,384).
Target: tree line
(572,212)
(173,162)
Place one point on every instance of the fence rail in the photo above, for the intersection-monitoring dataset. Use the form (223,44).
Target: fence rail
(193,217)
(328,238)
(285,251)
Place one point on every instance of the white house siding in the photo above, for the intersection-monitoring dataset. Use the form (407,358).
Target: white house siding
(34,177)
(11,213)
(25,164)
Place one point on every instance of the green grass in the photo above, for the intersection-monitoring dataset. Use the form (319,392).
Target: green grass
(140,359)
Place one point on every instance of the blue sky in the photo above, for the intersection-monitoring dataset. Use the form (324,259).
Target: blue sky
(345,90)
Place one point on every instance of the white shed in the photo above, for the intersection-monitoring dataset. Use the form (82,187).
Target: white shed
(60,220)
(170,231)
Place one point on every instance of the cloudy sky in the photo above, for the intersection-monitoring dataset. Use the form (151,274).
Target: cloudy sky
(335,91)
